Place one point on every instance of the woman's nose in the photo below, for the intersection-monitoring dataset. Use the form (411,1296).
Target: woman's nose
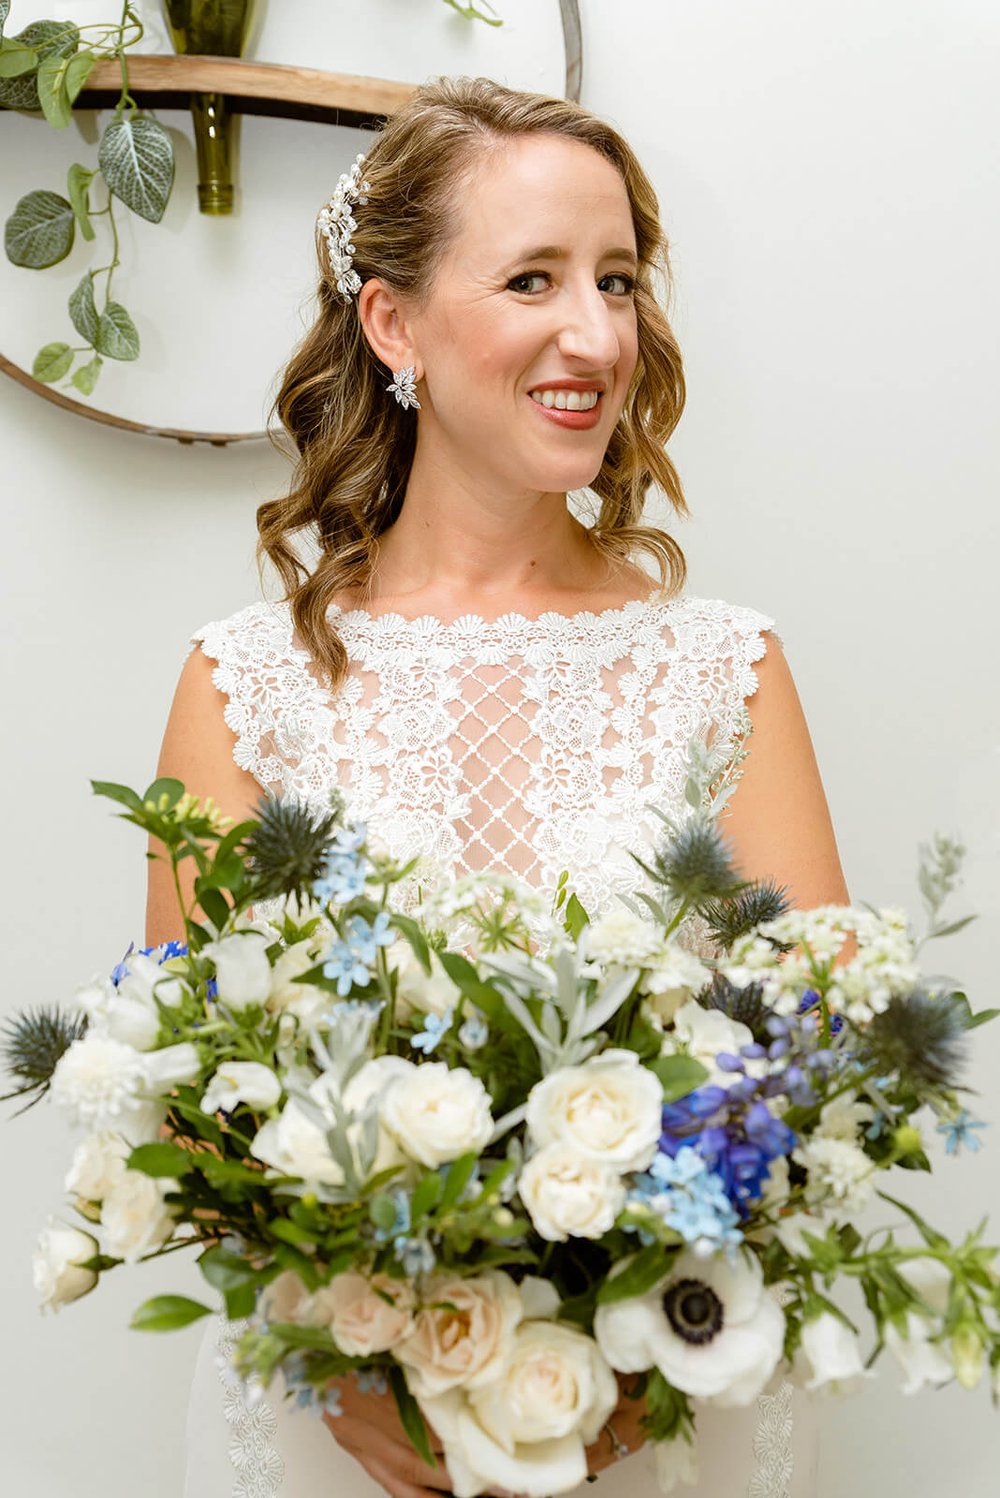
(589,332)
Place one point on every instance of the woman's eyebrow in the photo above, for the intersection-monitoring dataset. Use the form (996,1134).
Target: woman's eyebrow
(556,252)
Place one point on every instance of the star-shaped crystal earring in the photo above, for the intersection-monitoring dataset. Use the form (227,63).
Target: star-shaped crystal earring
(404,387)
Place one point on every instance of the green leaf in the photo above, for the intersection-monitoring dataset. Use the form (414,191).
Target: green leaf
(382,1211)
(160,1160)
(219,1173)
(15,59)
(426,1195)
(485,997)
(123,794)
(82,309)
(411,930)
(290,1232)
(679,1075)
(52,362)
(77,73)
(241,1301)
(51,91)
(458,1177)
(165,1313)
(78,181)
(212,903)
(410,1416)
(85,378)
(137,159)
(116,333)
(47,39)
(930,1236)
(166,786)
(4,13)
(224,1270)
(40,230)
(575,918)
(641,1274)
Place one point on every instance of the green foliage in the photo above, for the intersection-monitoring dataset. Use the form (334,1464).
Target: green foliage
(167,1313)
(679,1075)
(83,310)
(52,362)
(640,1274)
(137,159)
(78,180)
(117,337)
(40,230)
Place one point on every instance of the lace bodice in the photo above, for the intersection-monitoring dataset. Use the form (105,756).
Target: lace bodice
(528,745)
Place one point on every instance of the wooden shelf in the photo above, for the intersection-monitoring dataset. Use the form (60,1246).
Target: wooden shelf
(167,82)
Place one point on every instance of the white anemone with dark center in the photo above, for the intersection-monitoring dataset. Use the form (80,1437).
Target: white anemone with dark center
(710,1326)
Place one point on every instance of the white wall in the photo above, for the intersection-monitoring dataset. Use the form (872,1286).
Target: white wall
(828,176)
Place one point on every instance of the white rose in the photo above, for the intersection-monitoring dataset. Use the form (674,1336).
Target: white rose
(304,1000)
(526,1429)
(568,1195)
(833,1355)
(361,1322)
(436,1113)
(238,1082)
(427,993)
(56,1271)
(134,1216)
(294,1145)
(709,1326)
(242,971)
(609,1109)
(703,1034)
(98,1164)
(465,1342)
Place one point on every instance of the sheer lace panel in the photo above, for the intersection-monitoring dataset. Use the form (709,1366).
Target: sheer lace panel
(529,745)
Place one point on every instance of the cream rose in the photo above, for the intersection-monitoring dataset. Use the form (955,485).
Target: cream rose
(608,1109)
(134,1216)
(463,1333)
(360,1320)
(703,1034)
(436,1113)
(98,1164)
(568,1195)
(56,1272)
(526,1428)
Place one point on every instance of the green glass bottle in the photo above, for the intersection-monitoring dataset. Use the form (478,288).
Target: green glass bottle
(218,28)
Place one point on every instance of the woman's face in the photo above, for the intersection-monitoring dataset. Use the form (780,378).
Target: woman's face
(531,306)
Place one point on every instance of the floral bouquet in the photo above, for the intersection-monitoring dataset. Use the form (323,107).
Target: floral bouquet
(488,1153)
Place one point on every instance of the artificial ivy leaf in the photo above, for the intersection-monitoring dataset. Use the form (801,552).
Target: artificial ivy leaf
(15,59)
(40,230)
(165,1313)
(78,181)
(51,91)
(52,362)
(77,73)
(83,311)
(117,337)
(85,378)
(137,159)
(46,38)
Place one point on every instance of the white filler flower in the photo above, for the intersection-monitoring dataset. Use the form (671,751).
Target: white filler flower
(609,1109)
(241,1082)
(710,1327)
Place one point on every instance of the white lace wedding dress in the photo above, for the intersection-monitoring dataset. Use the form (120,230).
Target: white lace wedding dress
(533,745)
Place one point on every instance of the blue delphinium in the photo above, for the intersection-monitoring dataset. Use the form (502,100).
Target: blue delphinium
(736,1135)
(162,953)
(690,1198)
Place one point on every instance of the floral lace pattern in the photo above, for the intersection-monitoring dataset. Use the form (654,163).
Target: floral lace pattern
(772,1445)
(529,745)
(256,1461)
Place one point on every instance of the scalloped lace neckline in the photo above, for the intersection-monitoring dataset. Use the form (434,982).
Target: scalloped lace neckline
(465,624)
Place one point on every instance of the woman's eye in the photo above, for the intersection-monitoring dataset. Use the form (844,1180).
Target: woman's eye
(518,282)
(627,283)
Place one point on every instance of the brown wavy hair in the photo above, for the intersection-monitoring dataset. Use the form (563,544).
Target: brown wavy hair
(355,445)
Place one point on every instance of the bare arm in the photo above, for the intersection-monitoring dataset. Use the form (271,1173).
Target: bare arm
(777,820)
(197,749)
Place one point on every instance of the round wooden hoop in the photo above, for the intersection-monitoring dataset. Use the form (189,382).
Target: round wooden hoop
(258,88)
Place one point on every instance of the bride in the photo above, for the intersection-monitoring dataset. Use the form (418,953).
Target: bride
(490,681)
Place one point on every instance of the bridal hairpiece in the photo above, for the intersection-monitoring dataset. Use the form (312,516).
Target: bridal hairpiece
(337,223)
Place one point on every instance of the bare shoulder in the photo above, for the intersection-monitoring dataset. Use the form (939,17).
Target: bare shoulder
(778,820)
(198,743)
